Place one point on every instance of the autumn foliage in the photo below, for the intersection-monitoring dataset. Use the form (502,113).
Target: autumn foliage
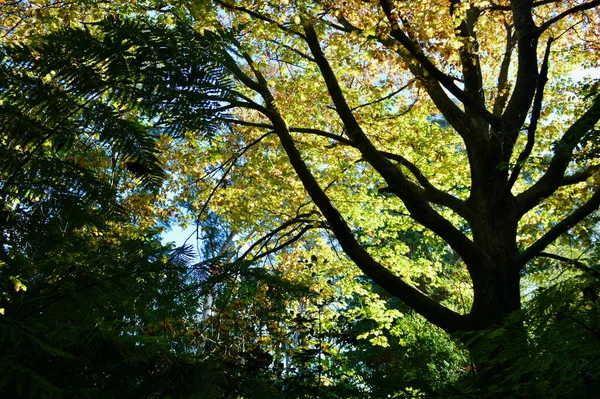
(390,199)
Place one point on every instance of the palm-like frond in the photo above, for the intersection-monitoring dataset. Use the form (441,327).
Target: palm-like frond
(121,87)
(78,110)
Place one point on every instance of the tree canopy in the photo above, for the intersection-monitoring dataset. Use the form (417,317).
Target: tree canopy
(391,199)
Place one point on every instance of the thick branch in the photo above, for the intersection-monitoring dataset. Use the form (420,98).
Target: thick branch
(238,73)
(431,69)
(580,7)
(502,96)
(430,309)
(527,71)
(454,115)
(581,213)
(535,116)
(579,177)
(563,152)
(471,67)
(406,190)
(420,302)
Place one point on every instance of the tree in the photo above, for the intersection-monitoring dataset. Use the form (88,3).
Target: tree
(491,210)
(374,155)
(492,71)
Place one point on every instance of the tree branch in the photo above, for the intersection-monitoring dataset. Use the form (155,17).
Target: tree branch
(578,264)
(302,218)
(232,65)
(527,72)
(502,97)
(498,7)
(294,50)
(246,123)
(392,94)
(431,69)
(453,114)
(563,226)
(563,152)
(286,243)
(471,66)
(226,172)
(416,299)
(406,190)
(256,15)
(579,177)
(535,116)
(580,7)
(430,193)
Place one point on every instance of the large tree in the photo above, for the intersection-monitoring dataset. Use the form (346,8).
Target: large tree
(456,117)
(485,69)
(442,146)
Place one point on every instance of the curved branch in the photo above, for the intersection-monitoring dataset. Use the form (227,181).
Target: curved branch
(234,68)
(579,177)
(431,69)
(578,264)
(581,213)
(256,15)
(535,116)
(392,94)
(294,50)
(563,152)
(502,97)
(580,7)
(302,218)
(420,210)
(286,243)
(432,310)
(413,297)
(236,103)
(403,188)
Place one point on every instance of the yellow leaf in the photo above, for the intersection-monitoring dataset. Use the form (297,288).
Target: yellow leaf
(18,284)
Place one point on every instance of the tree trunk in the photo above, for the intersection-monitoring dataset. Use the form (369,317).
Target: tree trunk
(496,340)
